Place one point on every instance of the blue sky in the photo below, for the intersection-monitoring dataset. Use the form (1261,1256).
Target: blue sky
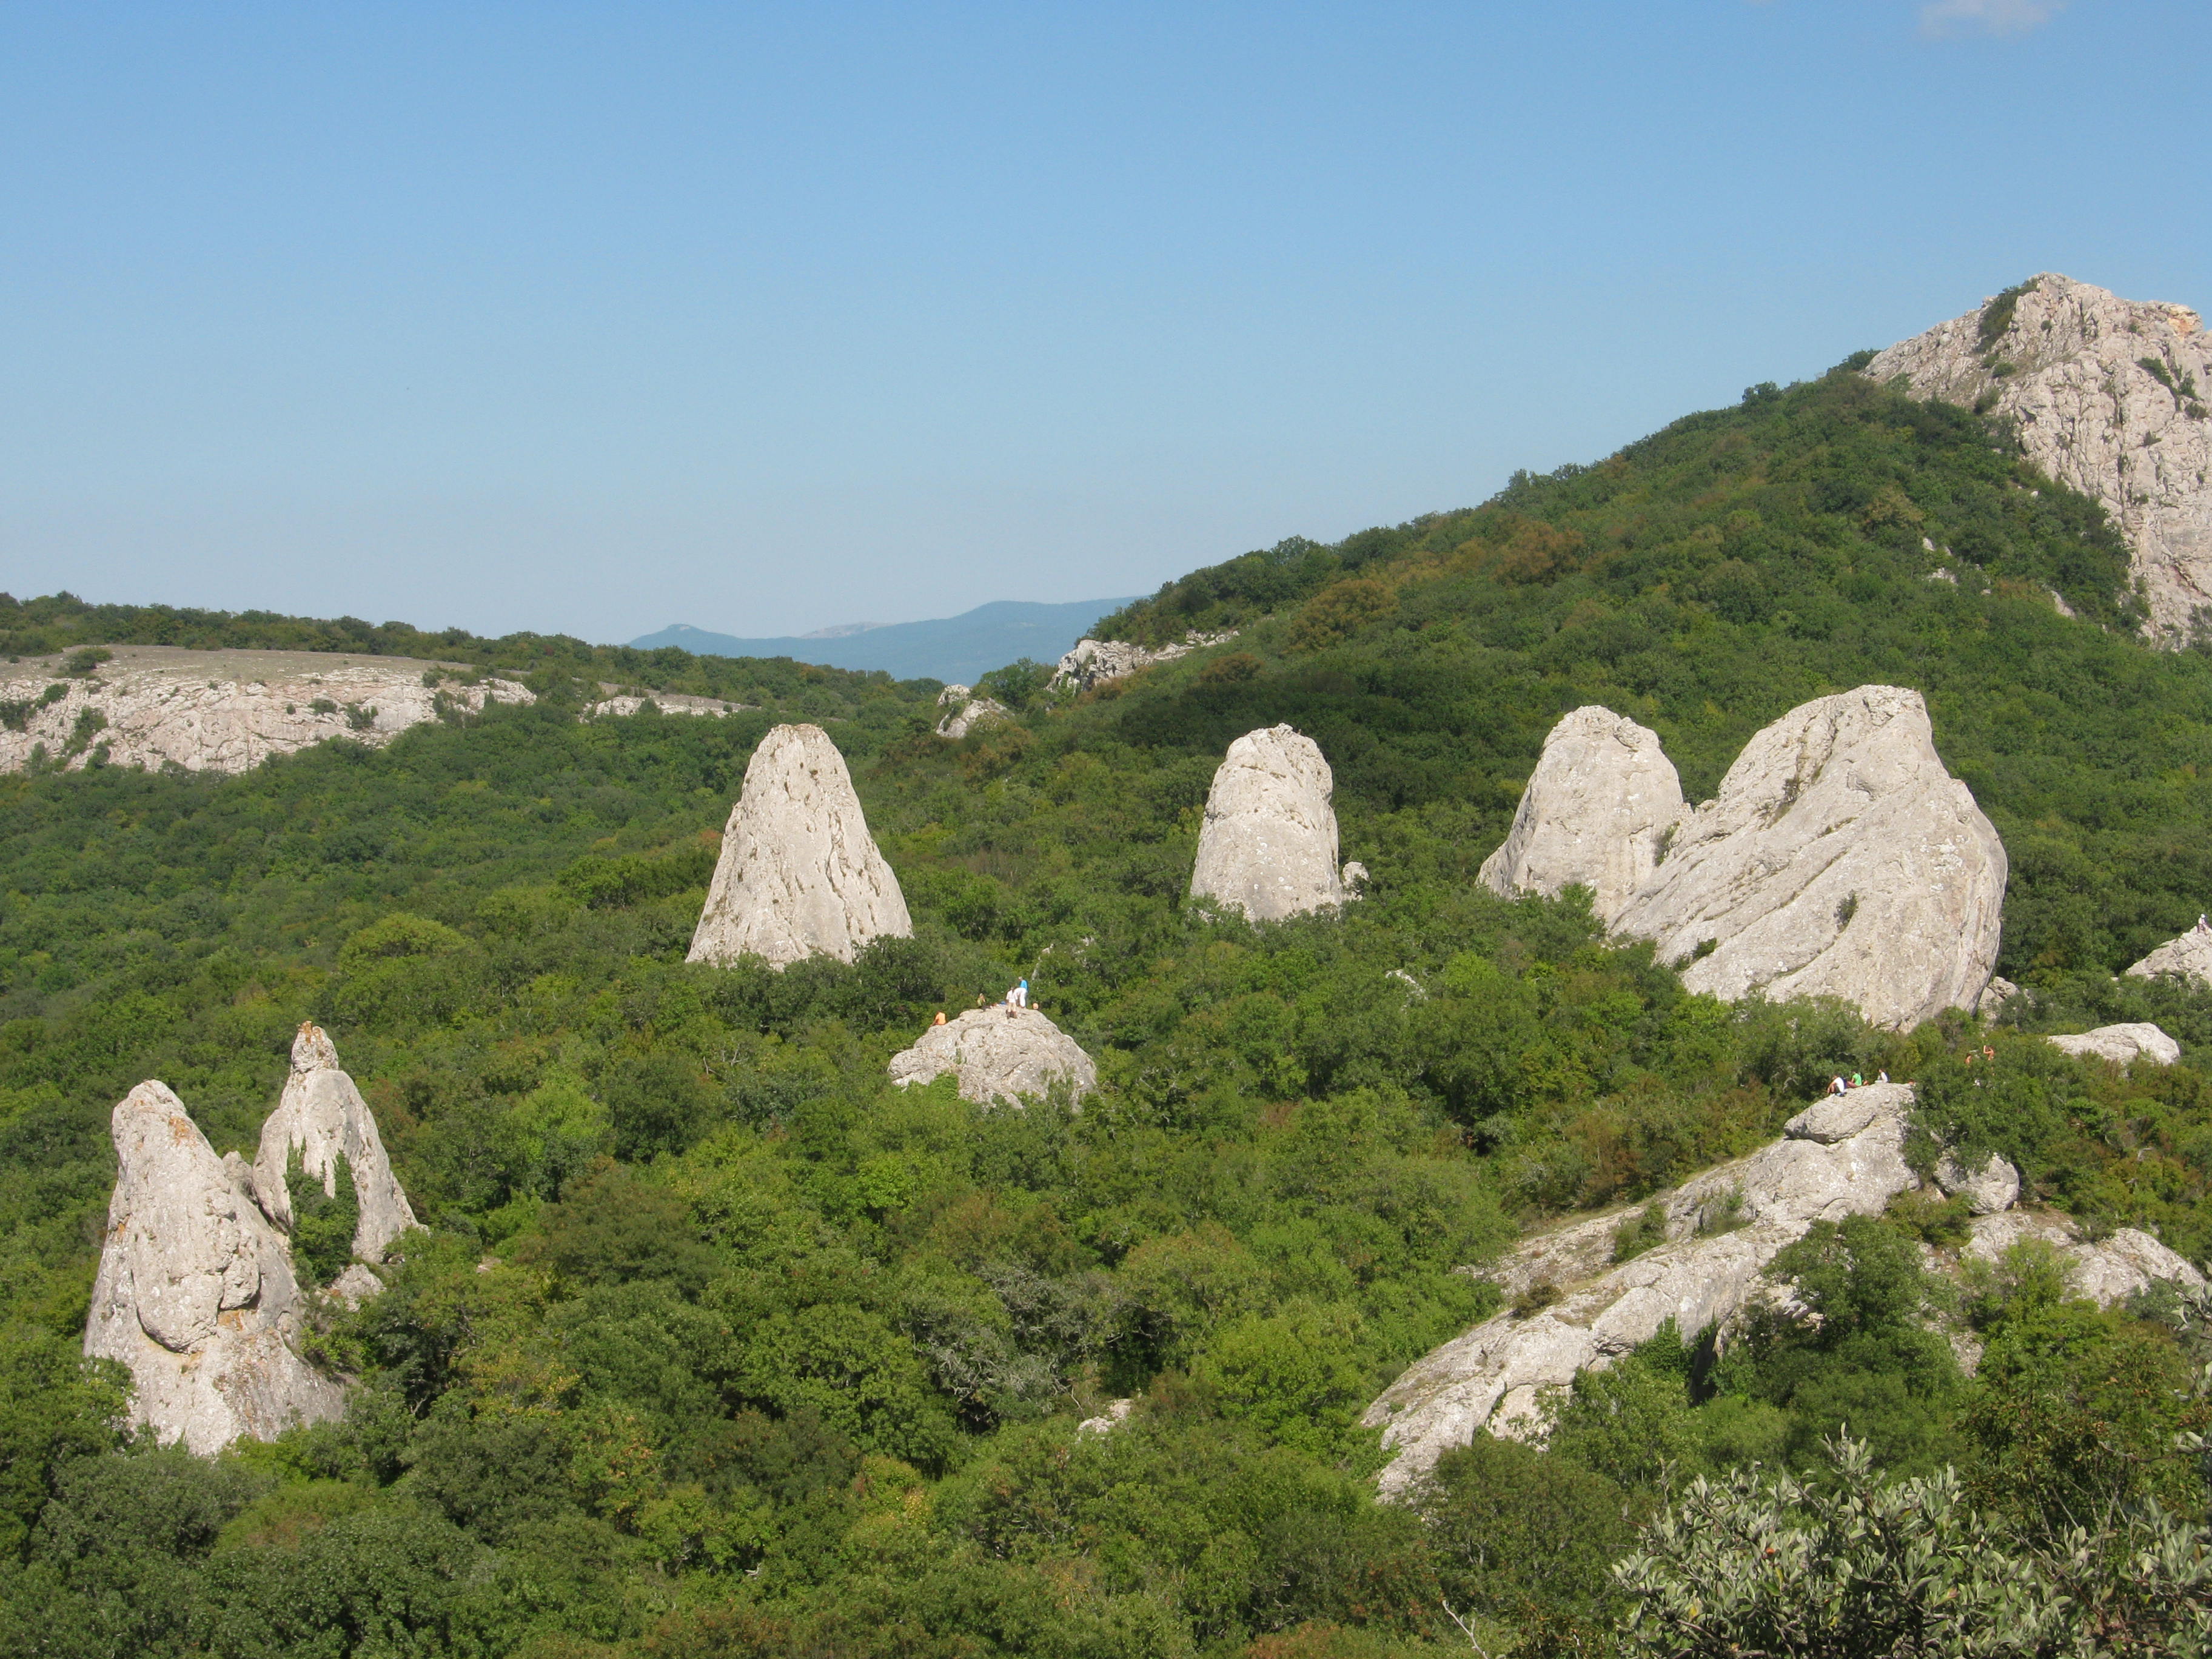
(595,318)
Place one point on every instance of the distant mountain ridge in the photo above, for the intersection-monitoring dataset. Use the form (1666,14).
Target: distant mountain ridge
(959,649)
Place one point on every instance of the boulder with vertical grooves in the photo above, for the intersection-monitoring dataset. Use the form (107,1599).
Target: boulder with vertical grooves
(800,875)
(195,1294)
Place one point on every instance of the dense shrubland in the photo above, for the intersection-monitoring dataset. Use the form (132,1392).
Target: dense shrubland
(714,1344)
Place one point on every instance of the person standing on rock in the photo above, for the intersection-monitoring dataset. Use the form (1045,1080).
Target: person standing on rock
(1019,996)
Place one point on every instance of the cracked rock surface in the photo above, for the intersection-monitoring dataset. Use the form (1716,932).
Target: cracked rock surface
(1268,843)
(2073,368)
(1839,858)
(195,1293)
(323,1114)
(997,1053)
(800,875)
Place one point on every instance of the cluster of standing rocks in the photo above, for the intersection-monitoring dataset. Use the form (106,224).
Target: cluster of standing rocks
(1839,857)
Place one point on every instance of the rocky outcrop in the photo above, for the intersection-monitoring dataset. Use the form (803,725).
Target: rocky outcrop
(1988,1189)
(999,1054)
(1843,1156)
(222,711)
(1598,813)
(324,1116)
(620,705)
(2189,957)
(2108,396)
(1838,858)
(1093,662)
(799,875)
(965,712)
(196,1294)
(1575,1308)
(2105,1270)
(2122,1044)
(1267,846)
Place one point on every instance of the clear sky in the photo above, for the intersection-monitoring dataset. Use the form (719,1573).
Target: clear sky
(596,318)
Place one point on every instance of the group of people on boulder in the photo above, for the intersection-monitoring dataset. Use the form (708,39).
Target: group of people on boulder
(1840,1085)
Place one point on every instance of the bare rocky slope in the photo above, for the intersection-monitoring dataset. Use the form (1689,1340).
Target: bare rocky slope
(2108,395)
(1839,857)
(1841,1157)
(158,706)
(800,875)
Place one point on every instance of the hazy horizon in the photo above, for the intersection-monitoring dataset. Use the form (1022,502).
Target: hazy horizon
(591,320)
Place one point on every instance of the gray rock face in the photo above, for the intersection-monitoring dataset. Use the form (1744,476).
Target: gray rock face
(965,712)
(1839,858)
(1494,1375)
(2122,1044)
(1598,810)
(1993,1188)
(1268,844)
(997,1053)
(323,1114)
(227,711)
(800,875)
(1997,993)
(2090,414)
(1093,662)
(2105,1270)
(2188,957)
(195,1293)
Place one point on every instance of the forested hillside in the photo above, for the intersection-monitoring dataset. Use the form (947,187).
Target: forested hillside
(716,1344)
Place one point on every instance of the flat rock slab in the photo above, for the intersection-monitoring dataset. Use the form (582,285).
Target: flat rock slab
(2123,1045)
(999,1054)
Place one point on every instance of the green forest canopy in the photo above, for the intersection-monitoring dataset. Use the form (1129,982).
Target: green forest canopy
(714,1344)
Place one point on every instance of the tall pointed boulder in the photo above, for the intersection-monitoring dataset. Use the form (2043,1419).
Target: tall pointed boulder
(1268,844)
(1839,858)
(800,875)
(323,1114)
(195,1293)
(1597,814)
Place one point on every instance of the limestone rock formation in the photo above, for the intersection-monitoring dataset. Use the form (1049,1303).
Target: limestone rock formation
(1843,1156)
(618,704)
(223,711)
(2189,957)
(800,875)
(997,1053)
(195,1293)
(965,711)
(2122,1044)
(2109,397)
(2105,1270)
(1598,810)
(322,1114)
(1991,1188)
(1838,858)
(1268,843)
(1093,662)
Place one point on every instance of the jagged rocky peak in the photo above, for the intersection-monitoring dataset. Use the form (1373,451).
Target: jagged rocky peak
(196,1294)
(1001,1053)
(323,1115)
(800,875)
(1094,662)
(2108,396)
(1838,858)
(1268,843)
(1598,813)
